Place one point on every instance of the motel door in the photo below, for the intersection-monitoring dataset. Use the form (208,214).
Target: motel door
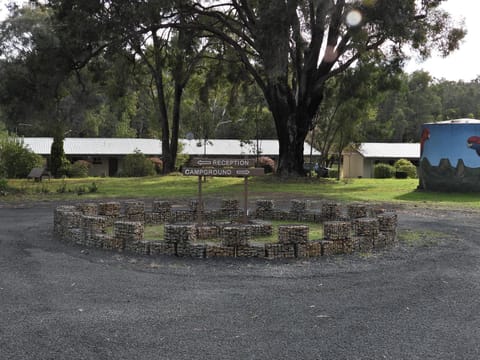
(112,166)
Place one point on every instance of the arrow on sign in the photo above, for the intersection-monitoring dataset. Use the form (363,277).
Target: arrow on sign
(204,162)
(243,172)
(192,171)
(249,172)
(223,162)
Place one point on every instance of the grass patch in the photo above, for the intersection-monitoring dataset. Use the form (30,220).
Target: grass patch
(156,232)
(315,231)
(421,238)
(176,186)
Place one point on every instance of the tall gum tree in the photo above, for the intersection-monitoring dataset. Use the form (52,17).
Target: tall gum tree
(291,47)
(154,34)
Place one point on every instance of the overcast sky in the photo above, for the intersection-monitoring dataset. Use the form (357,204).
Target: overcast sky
(463,64)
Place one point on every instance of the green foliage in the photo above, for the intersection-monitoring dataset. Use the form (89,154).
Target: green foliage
(79,169)
(181,158)
(333,173)
(93,188)
(137,165)
(178,187)
(59,164)
(62,189)
(16,160)
(3,185)
(383,171)
(349,108)
(78,189)
(405,166)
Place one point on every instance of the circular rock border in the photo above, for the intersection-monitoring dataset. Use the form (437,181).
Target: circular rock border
(347,228)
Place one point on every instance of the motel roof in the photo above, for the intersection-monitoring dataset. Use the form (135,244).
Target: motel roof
(96,146)
(236,147)
(124,146)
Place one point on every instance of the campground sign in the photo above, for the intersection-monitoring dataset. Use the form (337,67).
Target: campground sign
(222,167)
(191,171)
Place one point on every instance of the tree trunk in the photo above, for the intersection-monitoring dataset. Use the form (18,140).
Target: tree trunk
(290,160)
(166,154)
(177,100)
(292,125)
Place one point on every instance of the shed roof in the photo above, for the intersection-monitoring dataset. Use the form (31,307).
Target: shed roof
(390,150)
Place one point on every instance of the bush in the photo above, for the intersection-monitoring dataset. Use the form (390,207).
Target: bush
(16,160)
(59,165)
(267,163)
(181,159)
(137,165)
(333,173)
(383,171)
(405,166)
(3,185)
(79,169)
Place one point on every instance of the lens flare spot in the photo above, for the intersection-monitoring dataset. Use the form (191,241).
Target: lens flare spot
(353,18)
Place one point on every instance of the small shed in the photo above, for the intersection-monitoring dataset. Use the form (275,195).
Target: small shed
(360,162)
(38,174)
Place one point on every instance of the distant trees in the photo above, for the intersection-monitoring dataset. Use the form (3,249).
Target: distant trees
(349,107)
(232,68)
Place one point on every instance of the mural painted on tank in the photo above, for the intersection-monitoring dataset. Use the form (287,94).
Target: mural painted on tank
(450,156)
(453,142)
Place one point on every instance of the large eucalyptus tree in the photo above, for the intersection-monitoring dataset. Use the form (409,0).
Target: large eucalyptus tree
(292,47)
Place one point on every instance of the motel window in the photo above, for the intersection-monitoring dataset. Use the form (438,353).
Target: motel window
(97,161)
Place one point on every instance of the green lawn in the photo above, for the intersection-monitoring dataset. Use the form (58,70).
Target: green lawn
(177,186)
(155,232)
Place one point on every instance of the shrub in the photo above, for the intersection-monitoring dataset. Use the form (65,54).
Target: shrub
(137,165)
(182,159)
(405,166)
(59,165)
(333,173)
(62,189)
(16,160)
(267,163)
(93,188)
(383,171)
(3,185)
(79,169)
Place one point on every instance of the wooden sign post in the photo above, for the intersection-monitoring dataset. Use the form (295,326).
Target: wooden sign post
(224,168)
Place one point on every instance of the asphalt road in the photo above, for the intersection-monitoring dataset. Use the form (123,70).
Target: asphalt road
(412,302)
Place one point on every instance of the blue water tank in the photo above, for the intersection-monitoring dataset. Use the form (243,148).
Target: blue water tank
(450,156)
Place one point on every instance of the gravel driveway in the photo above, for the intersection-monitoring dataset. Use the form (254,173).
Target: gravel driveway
(419,300)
